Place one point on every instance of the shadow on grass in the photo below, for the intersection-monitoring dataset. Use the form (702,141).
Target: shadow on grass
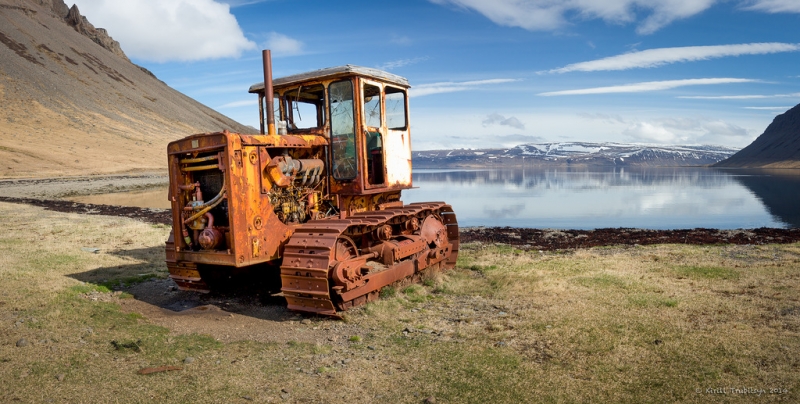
(250,292)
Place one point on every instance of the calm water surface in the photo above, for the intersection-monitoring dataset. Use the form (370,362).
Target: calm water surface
(658,198)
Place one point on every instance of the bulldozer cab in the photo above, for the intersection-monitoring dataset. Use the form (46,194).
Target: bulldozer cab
(363,115)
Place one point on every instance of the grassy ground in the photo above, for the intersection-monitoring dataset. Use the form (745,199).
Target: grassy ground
(667,323)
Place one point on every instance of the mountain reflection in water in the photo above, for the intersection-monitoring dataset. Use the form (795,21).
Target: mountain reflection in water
(655,198)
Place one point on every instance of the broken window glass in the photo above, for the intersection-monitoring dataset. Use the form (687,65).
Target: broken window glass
(372,106)
(395,108)
(343,148)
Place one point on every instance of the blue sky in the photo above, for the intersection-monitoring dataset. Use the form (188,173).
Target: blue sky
(494,73)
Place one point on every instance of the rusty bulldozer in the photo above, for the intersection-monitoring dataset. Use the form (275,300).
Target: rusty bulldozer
(315,195)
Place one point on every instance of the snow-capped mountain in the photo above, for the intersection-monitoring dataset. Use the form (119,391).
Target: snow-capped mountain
(576,153)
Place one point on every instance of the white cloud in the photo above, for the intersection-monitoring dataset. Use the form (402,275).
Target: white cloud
(687,131)
(282,45)
(239,3)
(169,30)
(647,132)
(738,97)
(773,6)
(237,104)
(537,15)
(662,56)
(497,119)
(450,87)
(769,108)
(647,86)
(402,62)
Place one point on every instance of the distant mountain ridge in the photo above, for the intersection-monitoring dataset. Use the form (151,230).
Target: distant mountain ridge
(72,103)
(575,154)
(777,147)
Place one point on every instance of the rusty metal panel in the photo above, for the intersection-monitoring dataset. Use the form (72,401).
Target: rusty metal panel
(398,159)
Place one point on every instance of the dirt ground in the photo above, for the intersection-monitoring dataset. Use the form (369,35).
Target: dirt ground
(573,325)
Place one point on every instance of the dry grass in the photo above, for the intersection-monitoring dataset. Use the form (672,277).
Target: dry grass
(644,324)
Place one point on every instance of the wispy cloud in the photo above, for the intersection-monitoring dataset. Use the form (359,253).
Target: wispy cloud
(170,30)
(450,86)
(773,6)
(239,3)
(739,97)
(237,104)
(402,62)
(769,108)
(400,40)
(497,119)
(686,131)
(538,15)
(282,45)
(662,56)
(647,86)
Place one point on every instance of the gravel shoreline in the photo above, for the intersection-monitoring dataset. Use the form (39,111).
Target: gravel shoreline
(523,238)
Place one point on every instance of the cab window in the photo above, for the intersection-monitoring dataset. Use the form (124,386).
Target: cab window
(343,148)
(395,108)
(305,107)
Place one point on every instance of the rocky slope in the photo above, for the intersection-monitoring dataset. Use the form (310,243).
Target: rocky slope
(777,147)
(575,154)
(72,102)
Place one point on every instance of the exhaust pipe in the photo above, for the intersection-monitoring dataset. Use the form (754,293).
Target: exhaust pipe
(268,93)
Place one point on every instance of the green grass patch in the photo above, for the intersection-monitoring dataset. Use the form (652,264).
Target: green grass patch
(387,292)
(128,280)
(651,300)
(601,281)
(53,262)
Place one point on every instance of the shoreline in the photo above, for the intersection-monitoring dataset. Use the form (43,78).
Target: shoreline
(522,238)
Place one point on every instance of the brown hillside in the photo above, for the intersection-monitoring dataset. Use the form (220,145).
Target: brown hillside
(777,147)
(72,102)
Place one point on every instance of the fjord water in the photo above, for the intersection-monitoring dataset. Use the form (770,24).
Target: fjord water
(652,198)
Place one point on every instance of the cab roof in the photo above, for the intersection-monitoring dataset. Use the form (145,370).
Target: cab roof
(334,72)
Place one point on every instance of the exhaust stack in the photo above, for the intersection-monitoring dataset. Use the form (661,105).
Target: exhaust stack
(268,93)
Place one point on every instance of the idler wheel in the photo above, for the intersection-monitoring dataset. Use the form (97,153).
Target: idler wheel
(433,231)
(347,274)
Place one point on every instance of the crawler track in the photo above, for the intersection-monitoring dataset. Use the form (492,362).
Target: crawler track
(332,265)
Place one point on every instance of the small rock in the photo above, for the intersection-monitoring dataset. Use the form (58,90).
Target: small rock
(501,343)
(285,390)
(285,396)
(408,330)
(60,377)
(248,398)
(427,331)
(370,347)
(305,321)
(502,313)
(430,400)
(22,342)
(188,360)
(414,310)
